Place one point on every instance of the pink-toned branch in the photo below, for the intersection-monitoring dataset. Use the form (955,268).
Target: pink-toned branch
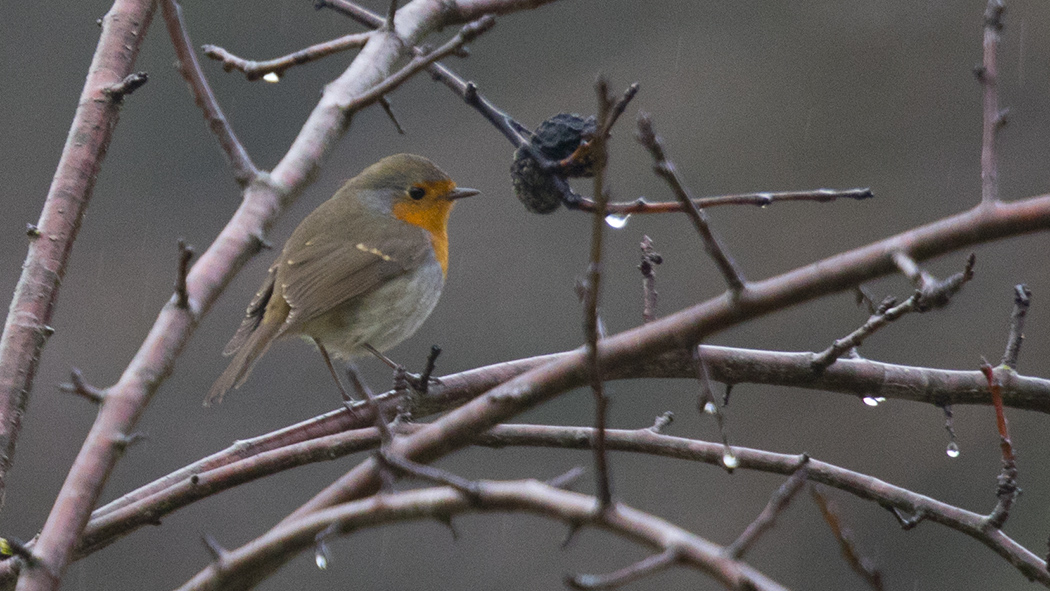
(245,567)
(51,241)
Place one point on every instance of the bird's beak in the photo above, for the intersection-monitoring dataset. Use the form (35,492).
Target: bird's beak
(461,192)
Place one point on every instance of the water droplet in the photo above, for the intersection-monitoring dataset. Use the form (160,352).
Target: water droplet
(729,460)
(953,450)
(321,556)
(272,77)
(710,408)
(874,400)
(617,220)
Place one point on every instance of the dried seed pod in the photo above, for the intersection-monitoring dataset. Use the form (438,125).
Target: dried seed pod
(556,139)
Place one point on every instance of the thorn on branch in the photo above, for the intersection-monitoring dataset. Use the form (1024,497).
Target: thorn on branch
(182,296)
(123,442)
(860,564)
(567,480)
(215,550)
(1022,300)
(389,110)
(79,386)
(662,422)
(634,572)
(132,82)
(906,522)
(666,170)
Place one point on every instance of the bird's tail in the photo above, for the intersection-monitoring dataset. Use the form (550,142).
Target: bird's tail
(243,360)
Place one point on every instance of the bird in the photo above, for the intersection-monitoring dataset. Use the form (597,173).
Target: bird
(359,274)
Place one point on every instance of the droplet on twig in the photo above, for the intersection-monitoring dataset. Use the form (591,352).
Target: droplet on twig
(729,460)
(617,220)
(953,450)
(874,400)
(272,77)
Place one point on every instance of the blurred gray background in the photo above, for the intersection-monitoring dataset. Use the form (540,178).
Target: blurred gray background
(749,96)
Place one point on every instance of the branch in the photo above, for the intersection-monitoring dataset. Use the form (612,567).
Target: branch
(243,567)
(254,70)
(27,327)
(1022,300)
(666,170)
(244,170)
(641,206)
(994,119)
(765,520)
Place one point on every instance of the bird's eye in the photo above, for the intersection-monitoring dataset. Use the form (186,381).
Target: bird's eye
(417,193)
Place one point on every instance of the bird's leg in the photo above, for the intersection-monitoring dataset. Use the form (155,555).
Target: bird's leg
(419,382)
(347,398)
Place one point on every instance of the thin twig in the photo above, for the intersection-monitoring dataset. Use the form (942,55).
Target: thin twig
(666,170)
(887,312)
(1022,300)
(988,75)
(79,386)
(591,298)
(389,110)
(706,405)
(860,564)
(244,170)
(468,33)
(255,70)
(779,501)
(765,199)
(650,258)
(1007,489)
(628,574)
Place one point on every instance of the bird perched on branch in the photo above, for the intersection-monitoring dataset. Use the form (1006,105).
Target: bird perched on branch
(359,275)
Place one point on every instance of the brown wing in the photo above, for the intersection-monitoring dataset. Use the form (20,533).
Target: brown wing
(254,315)
(323,271)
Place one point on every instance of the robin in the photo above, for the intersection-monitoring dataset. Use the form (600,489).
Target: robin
(359,275)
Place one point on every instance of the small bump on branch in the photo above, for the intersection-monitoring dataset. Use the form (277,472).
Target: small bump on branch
(132,82)
(182,296)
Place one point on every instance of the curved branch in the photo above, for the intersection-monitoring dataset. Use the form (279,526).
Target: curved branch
(244,567)
(685,328)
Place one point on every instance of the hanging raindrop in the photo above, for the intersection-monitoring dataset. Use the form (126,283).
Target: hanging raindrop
(272,77)
(617,220)
(874,400)
(953,449)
